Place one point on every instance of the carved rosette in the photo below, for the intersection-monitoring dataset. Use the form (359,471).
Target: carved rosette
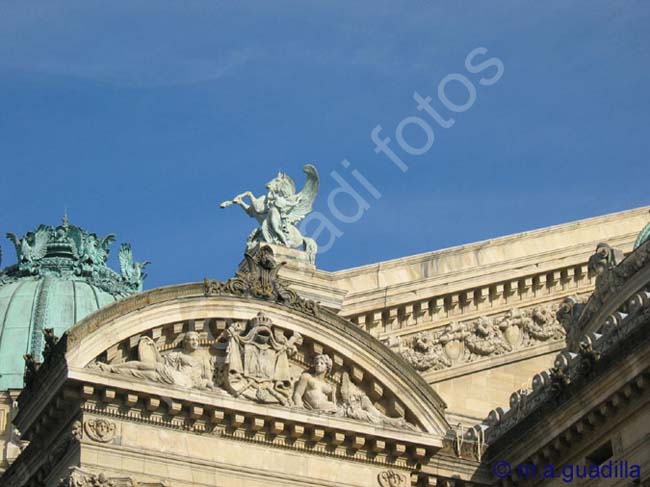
(100,430)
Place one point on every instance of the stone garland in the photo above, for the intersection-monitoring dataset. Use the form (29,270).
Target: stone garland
(459,343)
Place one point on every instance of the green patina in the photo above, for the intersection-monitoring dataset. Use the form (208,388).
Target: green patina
(643,236)
(61,276)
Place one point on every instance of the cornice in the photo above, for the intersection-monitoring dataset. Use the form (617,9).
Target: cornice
(232,418)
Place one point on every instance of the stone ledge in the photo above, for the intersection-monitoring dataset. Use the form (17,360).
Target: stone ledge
(206,413)
(433,377)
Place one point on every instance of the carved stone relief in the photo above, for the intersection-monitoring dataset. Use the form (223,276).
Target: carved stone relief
(612,272)
(254,360)
(484,337)
(257,277)
(313,391)
(187,367)
(81,478)
(100,430)
(257,362)
(391,478)
(76,431)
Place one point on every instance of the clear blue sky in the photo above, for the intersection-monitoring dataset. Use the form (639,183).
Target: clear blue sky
(141,116)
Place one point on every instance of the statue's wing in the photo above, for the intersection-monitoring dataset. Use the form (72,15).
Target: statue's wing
(41,238)
(16,241)
(105,243)
(77,237)
(125,257)
(306,197)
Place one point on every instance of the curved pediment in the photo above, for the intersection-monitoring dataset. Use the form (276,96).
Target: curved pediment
(255,351)
(254,340)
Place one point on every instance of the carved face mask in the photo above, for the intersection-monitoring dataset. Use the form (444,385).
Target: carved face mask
(191,342)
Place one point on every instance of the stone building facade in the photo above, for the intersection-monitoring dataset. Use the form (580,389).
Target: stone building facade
(435,369)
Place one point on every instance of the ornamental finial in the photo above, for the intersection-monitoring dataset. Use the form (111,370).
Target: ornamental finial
(71,252)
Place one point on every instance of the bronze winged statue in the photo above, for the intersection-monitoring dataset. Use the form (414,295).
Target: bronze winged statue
(280,210)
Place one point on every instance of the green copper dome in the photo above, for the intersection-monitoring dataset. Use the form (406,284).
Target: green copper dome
(60,277)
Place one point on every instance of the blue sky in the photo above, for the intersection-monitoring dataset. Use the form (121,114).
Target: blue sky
(141,116)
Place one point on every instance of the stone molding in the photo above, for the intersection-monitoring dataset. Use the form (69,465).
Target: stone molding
(38,461)
(548,348)
(545,249)
(621,287)
(493,297)
(237,420)
(575,425)
(618,334)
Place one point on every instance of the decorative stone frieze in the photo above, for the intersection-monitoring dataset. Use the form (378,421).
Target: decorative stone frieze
(186,367)
(81,478)
(527,290)
(258,361)
(578,367)
(483,337)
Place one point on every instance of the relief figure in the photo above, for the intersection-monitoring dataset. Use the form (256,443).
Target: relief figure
(257,362)
(187,367)
(313,391)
